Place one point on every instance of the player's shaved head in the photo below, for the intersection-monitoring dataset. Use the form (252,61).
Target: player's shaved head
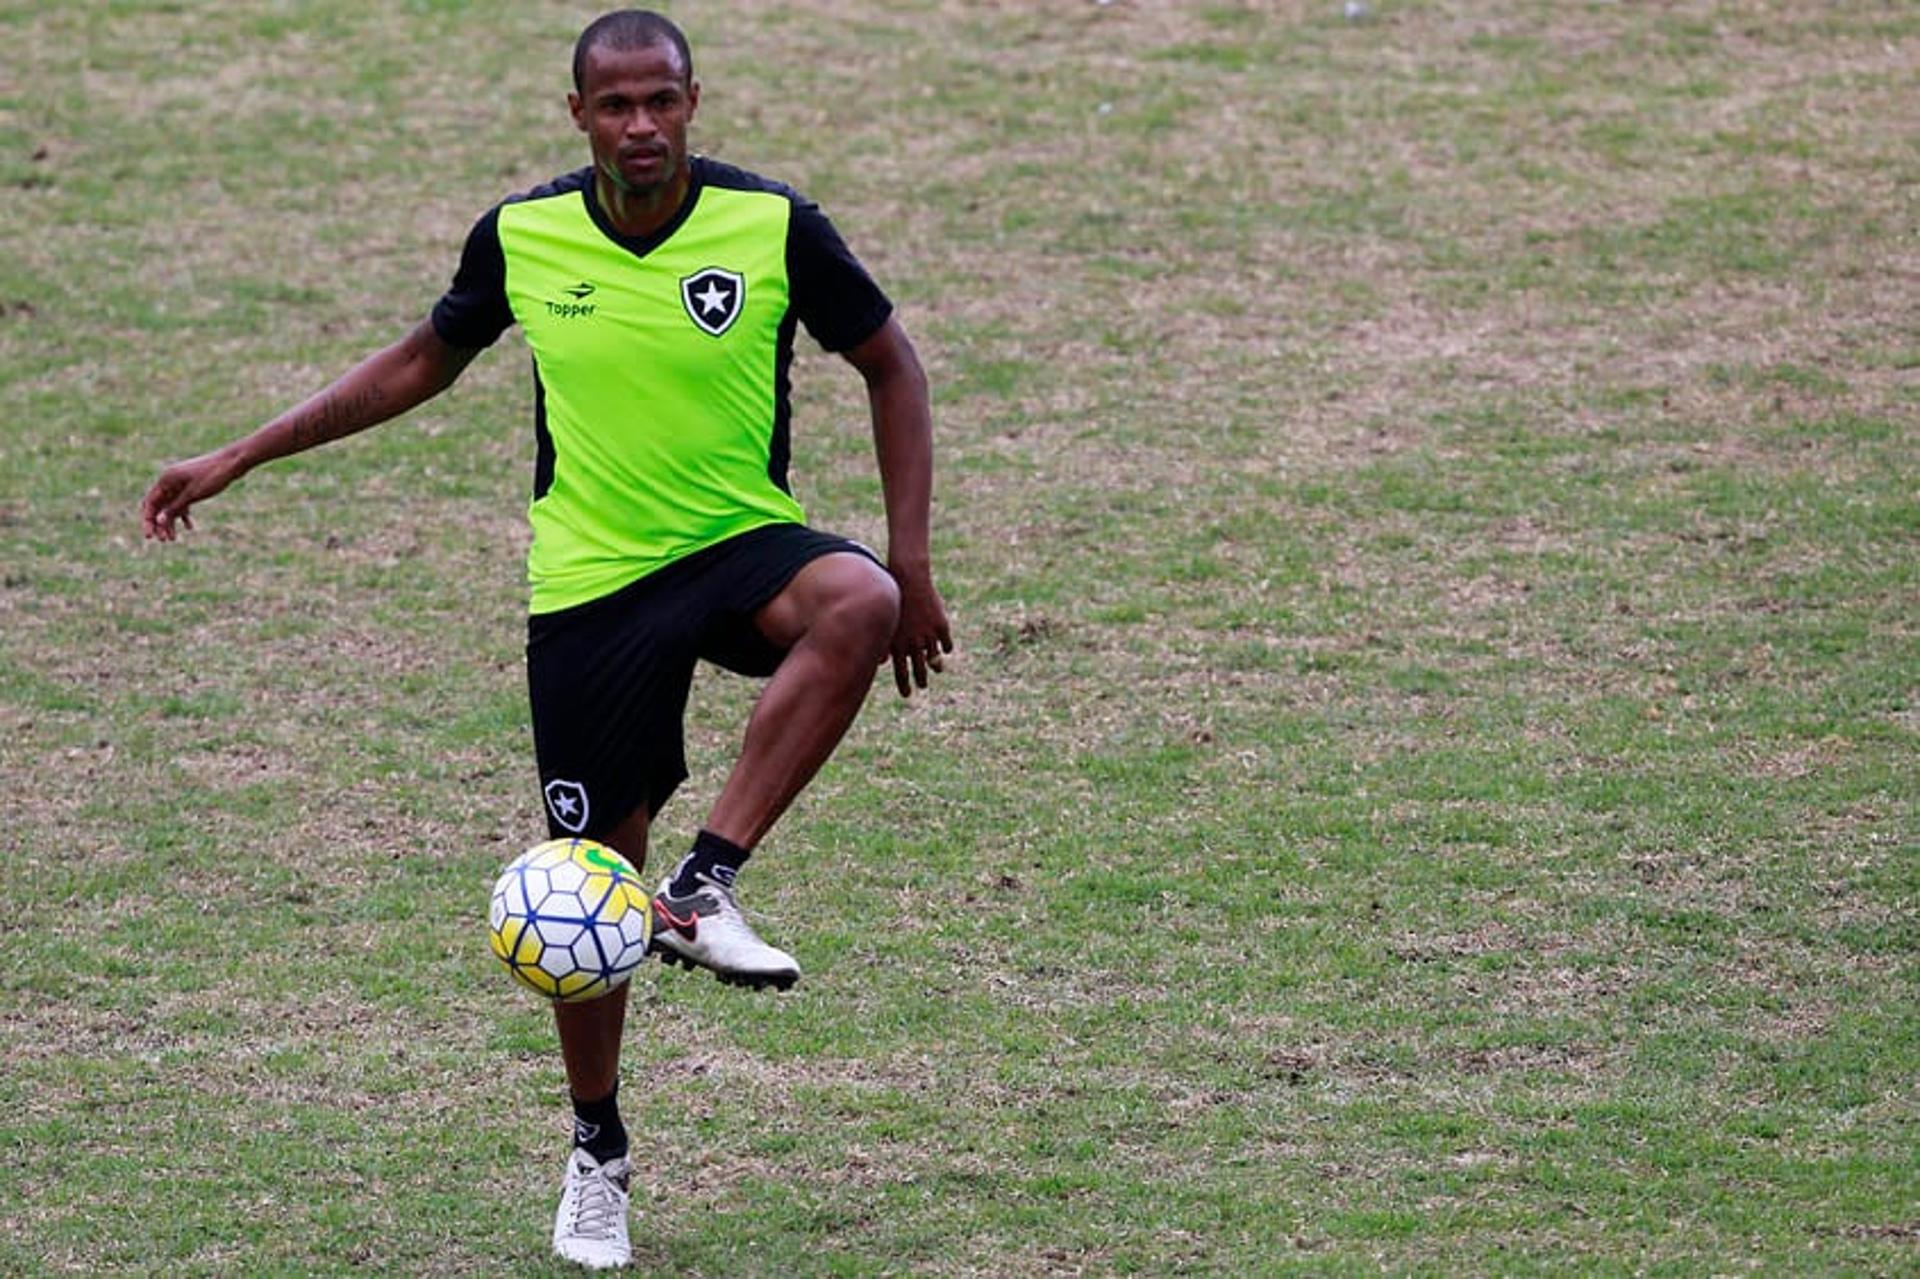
(629,29)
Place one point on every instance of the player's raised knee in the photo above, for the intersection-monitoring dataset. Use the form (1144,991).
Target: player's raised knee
(856,606)
(867,602)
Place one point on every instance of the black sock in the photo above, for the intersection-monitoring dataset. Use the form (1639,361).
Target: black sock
(716,858)
(597,1128)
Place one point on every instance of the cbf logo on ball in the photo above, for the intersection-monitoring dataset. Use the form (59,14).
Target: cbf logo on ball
(714,298)
(567,801)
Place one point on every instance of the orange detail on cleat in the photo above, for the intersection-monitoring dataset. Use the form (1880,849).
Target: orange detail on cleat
(688,928)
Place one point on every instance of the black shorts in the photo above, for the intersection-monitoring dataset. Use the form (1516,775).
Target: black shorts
(609,678)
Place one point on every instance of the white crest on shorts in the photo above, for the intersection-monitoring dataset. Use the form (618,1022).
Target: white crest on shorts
(567,801)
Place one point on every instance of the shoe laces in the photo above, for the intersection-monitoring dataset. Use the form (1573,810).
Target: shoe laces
(725,918)
(729,904)
(597,1209)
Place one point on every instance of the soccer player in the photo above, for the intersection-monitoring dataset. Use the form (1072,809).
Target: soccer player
(659,292)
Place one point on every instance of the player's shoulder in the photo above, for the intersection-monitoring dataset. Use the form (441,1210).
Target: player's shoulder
(720,175)
(486,227)
(567,184)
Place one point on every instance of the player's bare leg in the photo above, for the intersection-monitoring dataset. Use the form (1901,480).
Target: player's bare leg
(836,620)
(590,1226)
(590,1031)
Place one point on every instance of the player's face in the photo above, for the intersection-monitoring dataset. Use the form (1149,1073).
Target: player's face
(634,107)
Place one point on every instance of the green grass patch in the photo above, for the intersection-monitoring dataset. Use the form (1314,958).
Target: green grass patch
(1427,504)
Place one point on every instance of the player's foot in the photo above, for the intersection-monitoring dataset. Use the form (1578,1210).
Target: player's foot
(591,1225)
(706,929)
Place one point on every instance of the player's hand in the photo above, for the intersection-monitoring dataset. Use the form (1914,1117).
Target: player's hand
(922,638)
(179,487)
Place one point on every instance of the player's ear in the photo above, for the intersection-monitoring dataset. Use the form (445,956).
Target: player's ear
(693,97)
(578,110)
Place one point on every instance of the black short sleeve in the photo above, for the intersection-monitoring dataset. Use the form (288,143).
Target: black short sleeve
(831,292)
(473,312)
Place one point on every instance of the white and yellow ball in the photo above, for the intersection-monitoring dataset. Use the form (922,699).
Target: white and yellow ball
(570,919)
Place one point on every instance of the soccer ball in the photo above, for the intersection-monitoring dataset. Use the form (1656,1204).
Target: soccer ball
(570,919)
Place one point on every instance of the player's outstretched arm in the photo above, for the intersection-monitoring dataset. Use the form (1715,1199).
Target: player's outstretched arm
(384,385)
(903,442)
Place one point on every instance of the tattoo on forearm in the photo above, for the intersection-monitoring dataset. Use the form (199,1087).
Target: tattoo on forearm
(334,416)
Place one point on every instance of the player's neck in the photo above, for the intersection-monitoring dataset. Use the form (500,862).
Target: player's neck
(641,213)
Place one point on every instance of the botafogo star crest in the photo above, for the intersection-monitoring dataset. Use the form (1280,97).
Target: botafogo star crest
(714,298)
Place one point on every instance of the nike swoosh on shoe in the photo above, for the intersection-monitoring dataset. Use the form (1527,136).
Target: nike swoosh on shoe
(688,926)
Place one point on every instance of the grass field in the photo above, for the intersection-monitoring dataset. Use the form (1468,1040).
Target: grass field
(1428,507)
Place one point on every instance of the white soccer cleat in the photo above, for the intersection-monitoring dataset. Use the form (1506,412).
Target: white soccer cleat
(706,929)
(591,1226)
